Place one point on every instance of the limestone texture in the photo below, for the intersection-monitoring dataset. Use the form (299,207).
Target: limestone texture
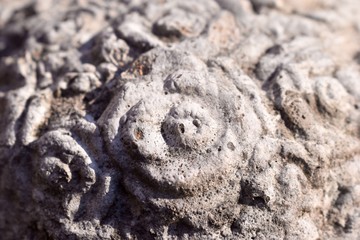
(180,119)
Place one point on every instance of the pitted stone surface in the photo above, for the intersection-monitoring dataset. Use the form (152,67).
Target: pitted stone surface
(218,119)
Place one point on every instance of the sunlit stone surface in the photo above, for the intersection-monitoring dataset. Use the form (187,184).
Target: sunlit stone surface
(183,119)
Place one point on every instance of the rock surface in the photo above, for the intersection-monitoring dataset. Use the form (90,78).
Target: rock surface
(180,119)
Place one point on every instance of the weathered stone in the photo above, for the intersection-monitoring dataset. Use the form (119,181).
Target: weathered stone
(209,119)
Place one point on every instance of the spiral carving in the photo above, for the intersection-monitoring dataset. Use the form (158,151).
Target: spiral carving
(63,164)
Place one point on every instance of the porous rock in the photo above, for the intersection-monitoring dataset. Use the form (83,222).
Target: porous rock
(211,119)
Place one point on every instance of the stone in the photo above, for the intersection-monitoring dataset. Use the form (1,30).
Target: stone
(210,119)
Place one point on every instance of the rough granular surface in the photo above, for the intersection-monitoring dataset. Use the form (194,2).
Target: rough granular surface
(226,119)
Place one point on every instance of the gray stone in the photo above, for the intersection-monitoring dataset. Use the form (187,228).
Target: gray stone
(179,119)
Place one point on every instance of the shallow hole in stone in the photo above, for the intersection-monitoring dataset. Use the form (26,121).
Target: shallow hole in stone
(231,146)
(196,123)
(182,128)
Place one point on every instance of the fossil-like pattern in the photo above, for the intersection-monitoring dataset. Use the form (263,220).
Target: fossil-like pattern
(175,119)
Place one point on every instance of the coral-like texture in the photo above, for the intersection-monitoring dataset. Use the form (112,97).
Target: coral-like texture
(180,119)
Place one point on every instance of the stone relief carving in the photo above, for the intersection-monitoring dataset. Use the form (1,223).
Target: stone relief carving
(182,136)
(178,119)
